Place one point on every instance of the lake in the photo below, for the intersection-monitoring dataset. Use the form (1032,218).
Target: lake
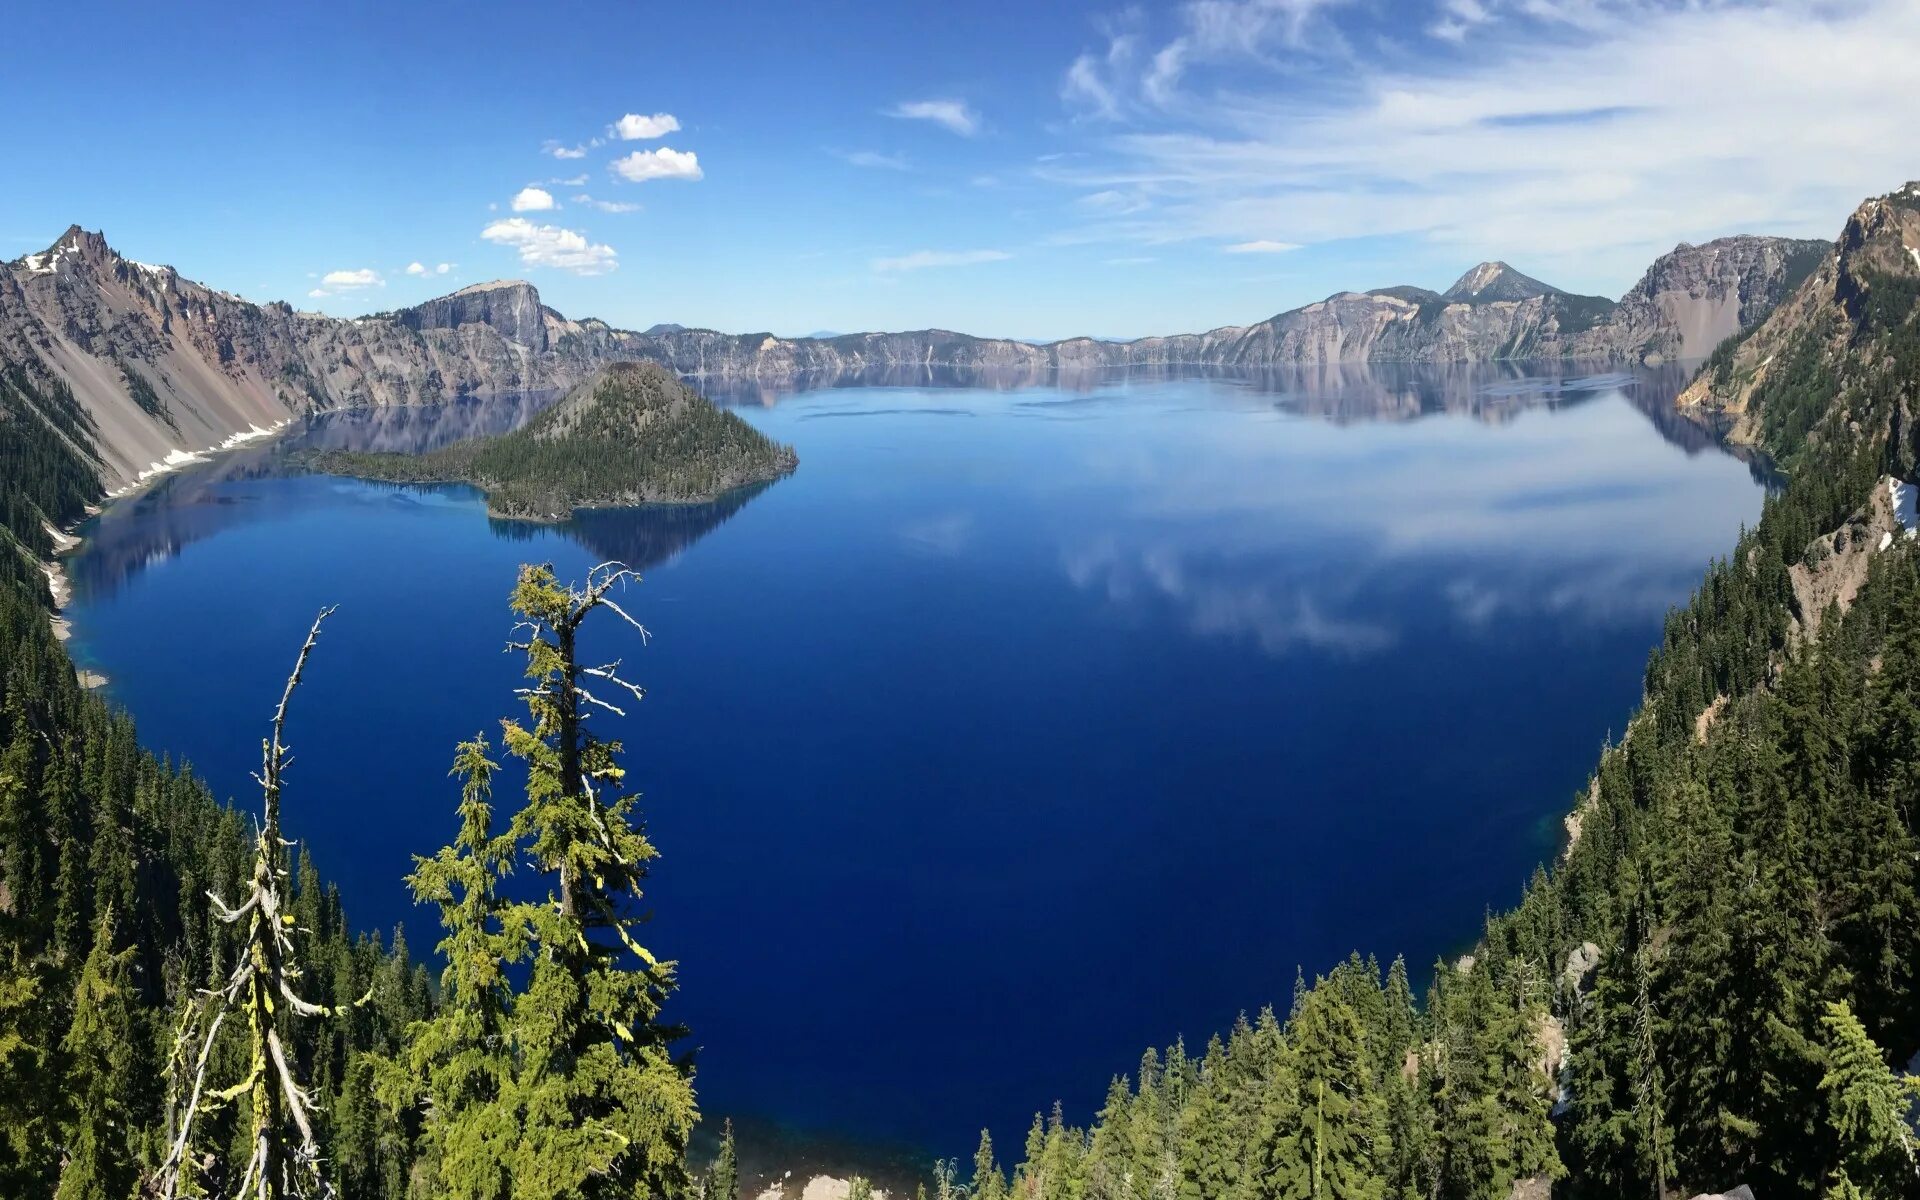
(1032,721)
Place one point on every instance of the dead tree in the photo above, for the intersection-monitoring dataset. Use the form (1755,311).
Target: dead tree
(283,1158)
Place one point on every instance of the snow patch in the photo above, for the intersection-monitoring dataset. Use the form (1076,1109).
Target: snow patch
(176,459)
(1916,255)
(1904,496)
(251,433)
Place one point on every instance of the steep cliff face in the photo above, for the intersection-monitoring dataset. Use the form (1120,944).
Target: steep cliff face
(509,306)
(1776,385)
(166,366)
(1695,297)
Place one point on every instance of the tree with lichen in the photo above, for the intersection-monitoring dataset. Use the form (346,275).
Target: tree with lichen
(565,1087)
(279,1155)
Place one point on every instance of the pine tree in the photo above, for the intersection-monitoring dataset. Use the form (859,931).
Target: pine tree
(723,1178)
(457,1056)
(98,1052)
(988,1182)
(1868,1109)
(599,1105)
(25,1139)
(1333,1146)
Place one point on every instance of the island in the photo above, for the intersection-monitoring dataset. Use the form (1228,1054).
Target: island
(631,433)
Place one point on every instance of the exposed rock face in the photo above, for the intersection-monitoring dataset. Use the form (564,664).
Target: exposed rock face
(509,306)
(1694,298)
(166,366)
(1815,323)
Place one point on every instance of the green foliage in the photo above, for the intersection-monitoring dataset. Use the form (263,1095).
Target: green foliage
(101,1074)
(563,1087)
(723,1177)
(1869,1108)
(634,434)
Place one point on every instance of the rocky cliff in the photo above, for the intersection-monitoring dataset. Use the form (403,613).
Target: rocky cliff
(1804,366)
(166,366)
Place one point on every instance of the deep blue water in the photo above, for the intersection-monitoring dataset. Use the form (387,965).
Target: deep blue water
(1024,726)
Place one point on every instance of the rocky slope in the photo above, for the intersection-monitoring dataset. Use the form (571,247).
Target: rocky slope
(1773,387)
(166,366)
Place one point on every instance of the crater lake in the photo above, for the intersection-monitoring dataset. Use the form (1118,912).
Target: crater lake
(1031,722)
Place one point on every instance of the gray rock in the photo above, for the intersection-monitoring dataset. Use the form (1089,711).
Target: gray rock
(1581,962)
(217,365)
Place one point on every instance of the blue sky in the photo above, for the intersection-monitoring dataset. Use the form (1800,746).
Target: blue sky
(1031,169)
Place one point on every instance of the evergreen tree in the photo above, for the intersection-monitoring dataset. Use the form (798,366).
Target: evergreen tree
(988,1182)
(98,1053)
(595,1104)
(1869,1108)
(723,1178)
(1333,1148)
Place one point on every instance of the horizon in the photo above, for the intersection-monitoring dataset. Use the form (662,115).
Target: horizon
(826,335)
(1132,171)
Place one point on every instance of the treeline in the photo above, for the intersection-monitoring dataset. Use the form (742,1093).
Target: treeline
(632,434)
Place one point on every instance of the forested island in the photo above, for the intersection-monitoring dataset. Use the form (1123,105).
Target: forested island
(631,433)
(1714,985)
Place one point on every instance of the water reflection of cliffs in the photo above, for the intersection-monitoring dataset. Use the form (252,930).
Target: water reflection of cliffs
(179,509)
(1340,392)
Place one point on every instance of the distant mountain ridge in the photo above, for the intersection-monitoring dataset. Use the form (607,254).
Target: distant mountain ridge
(166,366)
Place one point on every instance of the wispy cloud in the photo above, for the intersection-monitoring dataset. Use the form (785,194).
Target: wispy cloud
(873,160)
(552,246)
(606,206)
(1261,246)
(664,163)
(922,259)
(419,269)
(952,115)
(1586,135)
(633,127)
(562,150)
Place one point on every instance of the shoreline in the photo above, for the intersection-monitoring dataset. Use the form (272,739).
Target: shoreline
(68,541)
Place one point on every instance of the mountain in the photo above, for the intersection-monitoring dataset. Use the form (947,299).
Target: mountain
(630,433)
(1774,387)
(165,367)
(1496,281)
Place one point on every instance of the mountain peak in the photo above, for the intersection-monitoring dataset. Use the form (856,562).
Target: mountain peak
(511,306)
(1496,281)
(76,245)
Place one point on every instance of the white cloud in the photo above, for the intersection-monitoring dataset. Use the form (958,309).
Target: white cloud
(634,127)
(952,115)
(533,199)
(552,246)
(1261,246)
(442,268)
(920,259)
(347,281)
(606,206)
(562,150)
(579,180)
(1578,134)
(416,269)
(664,163)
